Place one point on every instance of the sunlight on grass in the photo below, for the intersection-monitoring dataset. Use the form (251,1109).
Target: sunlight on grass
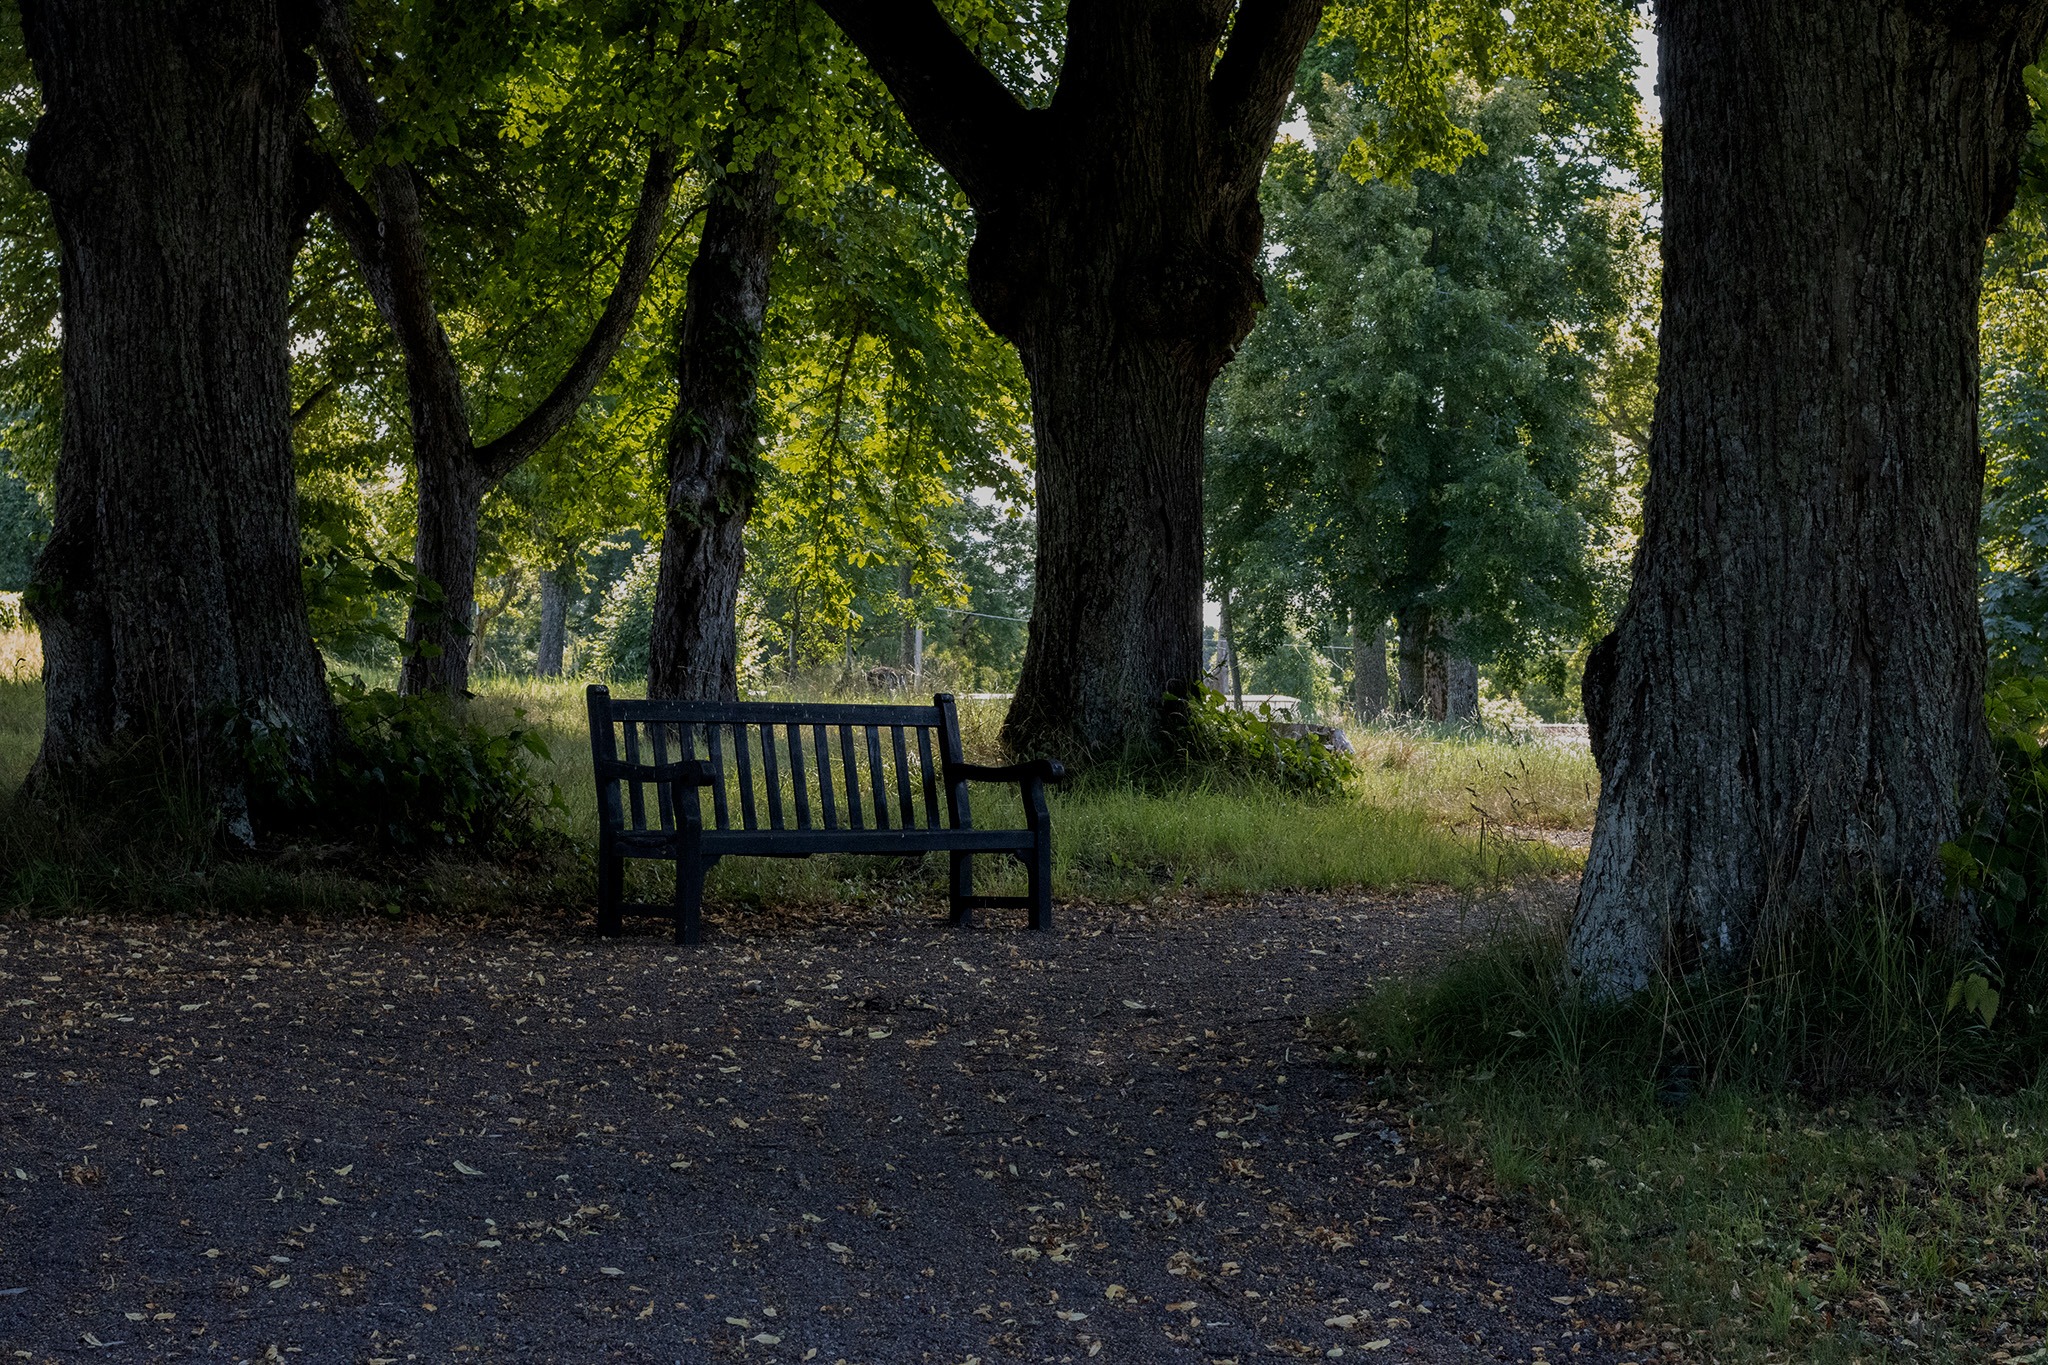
(21,727)
(1409,820)
(1425,809)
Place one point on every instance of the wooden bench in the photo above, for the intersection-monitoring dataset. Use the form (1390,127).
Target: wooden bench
(789,779)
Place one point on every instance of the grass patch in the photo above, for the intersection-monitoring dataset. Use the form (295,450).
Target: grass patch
(21,728)
(1793,1172)
(1412,817)
(1425,809)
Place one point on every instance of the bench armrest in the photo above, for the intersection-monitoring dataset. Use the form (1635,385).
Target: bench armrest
(691,772)
(1040,769)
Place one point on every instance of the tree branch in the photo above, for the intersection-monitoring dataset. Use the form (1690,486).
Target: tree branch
(643,248)
(1248,92)
(355,218)
(963,115)
(401,236)
(313,400)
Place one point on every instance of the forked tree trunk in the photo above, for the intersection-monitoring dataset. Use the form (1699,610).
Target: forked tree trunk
(168,595)
(556,586)
(1368,671)
(388,239)
(1791,706)
(1117,233)
(713,463)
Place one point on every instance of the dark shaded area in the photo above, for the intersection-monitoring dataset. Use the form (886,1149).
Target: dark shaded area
(909,1143)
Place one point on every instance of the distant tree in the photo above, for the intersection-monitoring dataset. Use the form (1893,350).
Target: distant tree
(24,526)
(1413,428)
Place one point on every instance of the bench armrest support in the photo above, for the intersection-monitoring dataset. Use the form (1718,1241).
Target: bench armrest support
(1038,769)
(690,772)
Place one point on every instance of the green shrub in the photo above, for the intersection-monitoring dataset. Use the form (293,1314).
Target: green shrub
(415,773)
(625,623)
(1211,739)
(1869,1002)
(2003,861)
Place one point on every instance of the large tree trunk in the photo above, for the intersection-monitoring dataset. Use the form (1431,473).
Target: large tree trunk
(557,585)
(168,595)
(1368,670)
(1117,240)
(1791,707)
(1117,612)
(713,467)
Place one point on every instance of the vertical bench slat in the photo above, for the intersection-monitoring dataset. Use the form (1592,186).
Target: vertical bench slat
(852,777)
(932,819)
(633,797)
(744,765)
(796,776)
(825,799)
(657,736)
(714,740)
(771,776)
(949,746)
(903,805)
(877,778)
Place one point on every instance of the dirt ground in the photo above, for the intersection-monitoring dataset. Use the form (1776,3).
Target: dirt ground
(862,1137)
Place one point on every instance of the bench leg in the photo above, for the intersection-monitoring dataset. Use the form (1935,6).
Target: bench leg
(1038,882)
(689,899)
(611,891)
(961,887)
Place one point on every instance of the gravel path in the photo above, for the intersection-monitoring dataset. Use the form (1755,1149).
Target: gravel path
(865,1138)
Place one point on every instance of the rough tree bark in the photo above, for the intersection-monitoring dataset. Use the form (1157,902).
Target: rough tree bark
(557,585)
(1791,706)
(1368,671)
(1461,689)
(168,595)
(713,463)
(452,473)
(1117,239)
(1413,652)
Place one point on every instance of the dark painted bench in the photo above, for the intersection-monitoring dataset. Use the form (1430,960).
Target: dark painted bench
(693,781)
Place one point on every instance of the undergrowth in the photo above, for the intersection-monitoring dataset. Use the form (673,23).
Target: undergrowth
(1406,817)
(1834,1158)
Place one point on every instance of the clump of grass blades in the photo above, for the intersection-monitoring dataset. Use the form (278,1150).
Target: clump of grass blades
(1870,1001)
(1826,1159)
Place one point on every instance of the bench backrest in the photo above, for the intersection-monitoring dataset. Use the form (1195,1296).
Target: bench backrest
(785,765)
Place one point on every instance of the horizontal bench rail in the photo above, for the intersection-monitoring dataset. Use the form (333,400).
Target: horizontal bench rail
(771,712)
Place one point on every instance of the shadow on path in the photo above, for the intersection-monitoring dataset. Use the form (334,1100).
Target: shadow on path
(874,1140)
